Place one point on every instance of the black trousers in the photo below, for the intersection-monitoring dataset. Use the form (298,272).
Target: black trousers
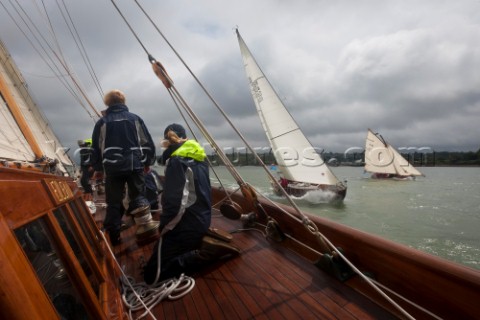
(85,180)
(114,194)
(179,254)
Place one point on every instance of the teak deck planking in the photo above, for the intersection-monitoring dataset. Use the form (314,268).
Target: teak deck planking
(266,281)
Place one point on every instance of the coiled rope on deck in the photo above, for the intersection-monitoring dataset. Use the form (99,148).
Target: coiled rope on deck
(151,295)
(324,243)
(139,296)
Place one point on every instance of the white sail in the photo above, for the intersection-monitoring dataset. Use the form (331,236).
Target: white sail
(381,157)
(13,144)
(298,160)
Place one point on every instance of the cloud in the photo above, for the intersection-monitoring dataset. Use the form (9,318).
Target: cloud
(400,68)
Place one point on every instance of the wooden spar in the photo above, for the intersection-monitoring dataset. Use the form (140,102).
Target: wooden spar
(20,119)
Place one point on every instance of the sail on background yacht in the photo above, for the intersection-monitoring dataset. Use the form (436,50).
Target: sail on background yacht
(384,162)
(57,264)
(302,168)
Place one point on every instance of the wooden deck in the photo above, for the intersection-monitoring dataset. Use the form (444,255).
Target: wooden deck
(266,281)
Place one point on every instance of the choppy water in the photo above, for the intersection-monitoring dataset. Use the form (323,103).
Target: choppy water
(438,214)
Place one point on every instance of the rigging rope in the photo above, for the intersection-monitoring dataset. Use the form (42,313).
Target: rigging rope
(314,229)
(57,75)
(246,189)
(166,80)
(152,295)
(129,26)
(63,62)
(81,48)
(138,296)
(51,64)
(195,137)
(309,225)
(257,157)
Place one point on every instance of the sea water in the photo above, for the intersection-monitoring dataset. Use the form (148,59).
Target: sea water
(438,214)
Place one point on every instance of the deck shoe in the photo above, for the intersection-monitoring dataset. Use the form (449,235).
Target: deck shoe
(213,249)
(147,228)
(219,234)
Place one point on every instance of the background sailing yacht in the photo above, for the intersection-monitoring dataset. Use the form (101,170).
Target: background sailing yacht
(303,172)
(384,162)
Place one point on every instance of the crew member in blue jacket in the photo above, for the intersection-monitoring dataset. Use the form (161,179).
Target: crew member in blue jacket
(186,206)
(123,149)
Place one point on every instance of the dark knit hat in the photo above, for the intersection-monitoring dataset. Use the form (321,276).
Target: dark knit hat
(178,129)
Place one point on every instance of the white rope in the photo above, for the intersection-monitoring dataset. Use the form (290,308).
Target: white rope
(148,296)
(312,227)
(151,295)
(367,279)
(176,96)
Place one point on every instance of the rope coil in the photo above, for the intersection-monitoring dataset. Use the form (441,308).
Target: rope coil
(324,242)
(152,295)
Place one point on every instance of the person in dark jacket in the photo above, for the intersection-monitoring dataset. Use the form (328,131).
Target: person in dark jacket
(123,149)
(85,167)
(186,210)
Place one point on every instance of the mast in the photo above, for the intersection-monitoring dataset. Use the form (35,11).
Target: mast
(20,119)
(26,135)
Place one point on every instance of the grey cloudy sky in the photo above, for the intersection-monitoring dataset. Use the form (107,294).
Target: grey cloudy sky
(407,69)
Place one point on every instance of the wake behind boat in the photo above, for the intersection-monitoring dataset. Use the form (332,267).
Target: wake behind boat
(303,173)
(57,263)
(384,162)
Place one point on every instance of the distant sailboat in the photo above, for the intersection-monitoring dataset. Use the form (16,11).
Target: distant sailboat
(301,167)
(384,162)
(57,263)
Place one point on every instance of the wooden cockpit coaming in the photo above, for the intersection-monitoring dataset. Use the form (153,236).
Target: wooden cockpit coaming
(266,276)
(48,235)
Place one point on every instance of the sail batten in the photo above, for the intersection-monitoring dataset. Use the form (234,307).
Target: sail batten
(298,159)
